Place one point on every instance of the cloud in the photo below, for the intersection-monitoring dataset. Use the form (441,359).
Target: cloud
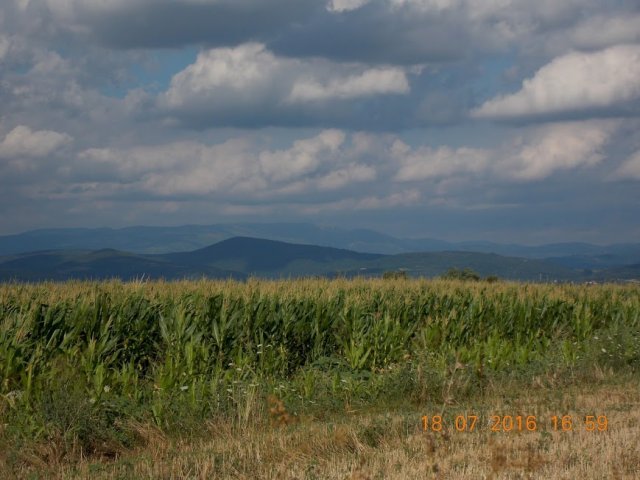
(376,81)
(248,69)
(382,32)
(378,34)
(304,157)
(24,142)
(534,156)
(345,5)
(176,23)
(4,47)
(407,32)
(630,169)
(556,147)
(160,131)
(604,31)
(576,82)
(235,167)
(248,85)
(391,201)
(331,161)
(351,174)
(177,168)
(426,162)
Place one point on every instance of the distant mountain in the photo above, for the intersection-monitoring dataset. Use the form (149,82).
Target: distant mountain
(235,258)
(597,261)
(190,237)
(100,265)
(143,239)
(164,240)
(432,264)
(627,272)
(260,256)
(580,255)
(131,239)
(241,257)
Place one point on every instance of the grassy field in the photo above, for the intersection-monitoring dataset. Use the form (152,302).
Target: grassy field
(319,379)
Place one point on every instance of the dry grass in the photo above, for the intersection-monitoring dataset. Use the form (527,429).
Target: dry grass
(392,445)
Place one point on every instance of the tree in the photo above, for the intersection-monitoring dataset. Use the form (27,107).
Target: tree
(457,274)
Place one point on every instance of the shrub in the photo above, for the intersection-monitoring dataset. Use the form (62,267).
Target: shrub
(457,274)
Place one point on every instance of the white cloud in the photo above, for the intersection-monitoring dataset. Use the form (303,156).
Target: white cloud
(319,163)
(24,142)
(354,173)
(556,147)
(423,5)
(370,82)
(247,70)
(239,67)
(428,5)
(250,75)
(426,162)
(630,169)
(572,83)
(534,156)
(51,64)
(176,168)
(345,5)
(304,157)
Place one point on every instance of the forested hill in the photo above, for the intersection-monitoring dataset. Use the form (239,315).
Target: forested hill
(241,257)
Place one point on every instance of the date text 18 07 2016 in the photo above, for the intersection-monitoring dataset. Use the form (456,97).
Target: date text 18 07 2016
(515,423)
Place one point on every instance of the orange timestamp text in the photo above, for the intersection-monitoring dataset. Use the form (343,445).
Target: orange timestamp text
(515,423)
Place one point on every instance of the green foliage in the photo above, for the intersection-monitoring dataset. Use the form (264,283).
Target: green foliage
(458,274)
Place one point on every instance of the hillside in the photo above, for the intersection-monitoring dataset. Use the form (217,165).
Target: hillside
(241,257)
(259,256)
(99,265)
(164,240)
(434,264)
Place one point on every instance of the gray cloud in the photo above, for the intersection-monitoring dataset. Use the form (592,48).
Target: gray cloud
(376,34)
(379,31)
(601,31)
(176,23)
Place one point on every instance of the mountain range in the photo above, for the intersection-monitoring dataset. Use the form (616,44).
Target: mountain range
(160,240)
(242,257)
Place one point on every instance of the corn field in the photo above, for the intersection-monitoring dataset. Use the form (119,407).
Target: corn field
(154,350)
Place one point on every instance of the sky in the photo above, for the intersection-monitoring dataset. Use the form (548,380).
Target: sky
(501,120)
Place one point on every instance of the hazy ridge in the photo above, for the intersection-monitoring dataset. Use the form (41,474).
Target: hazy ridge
(241,257)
